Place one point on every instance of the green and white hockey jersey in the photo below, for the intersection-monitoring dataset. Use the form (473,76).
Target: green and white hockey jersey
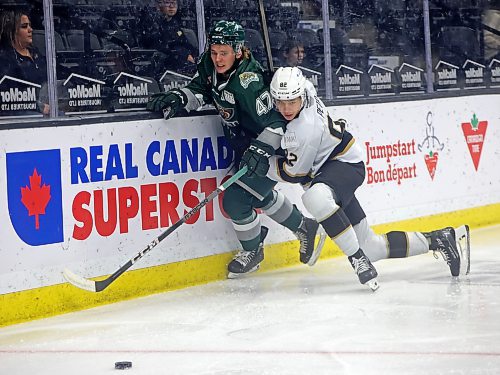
(242,99)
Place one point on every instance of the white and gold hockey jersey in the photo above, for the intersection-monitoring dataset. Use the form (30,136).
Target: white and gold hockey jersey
(310,140)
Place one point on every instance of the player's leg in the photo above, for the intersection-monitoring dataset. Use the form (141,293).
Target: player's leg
(320,200)
(238,204)
(331,191)
(452,243)
(281,210)
(394,244)
(454,246)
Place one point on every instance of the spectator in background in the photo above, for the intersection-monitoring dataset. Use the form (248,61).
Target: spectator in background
(18,57)
(294,56)
(293,53)
(311,9)
(163,32)
(491,19)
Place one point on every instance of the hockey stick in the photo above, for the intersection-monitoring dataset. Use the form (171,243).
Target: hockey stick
(98,286)
(265,33)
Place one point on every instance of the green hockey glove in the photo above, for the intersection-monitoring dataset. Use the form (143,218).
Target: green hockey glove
(169,102)
(256,158)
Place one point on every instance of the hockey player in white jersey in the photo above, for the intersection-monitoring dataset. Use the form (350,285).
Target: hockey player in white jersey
(325,158)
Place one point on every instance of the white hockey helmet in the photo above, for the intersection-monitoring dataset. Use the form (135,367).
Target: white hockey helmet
(288,83)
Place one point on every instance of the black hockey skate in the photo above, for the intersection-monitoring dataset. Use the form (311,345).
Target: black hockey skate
(454,246)
(364,269)
(247,261)
(306,234)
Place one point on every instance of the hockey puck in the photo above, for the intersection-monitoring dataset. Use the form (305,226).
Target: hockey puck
(123,365)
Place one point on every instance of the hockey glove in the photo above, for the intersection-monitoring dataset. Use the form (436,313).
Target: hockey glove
(169,102)
(256,158)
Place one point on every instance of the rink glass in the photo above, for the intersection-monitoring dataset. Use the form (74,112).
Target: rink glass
(377,49)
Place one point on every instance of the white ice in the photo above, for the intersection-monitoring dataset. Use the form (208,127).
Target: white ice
(299,320)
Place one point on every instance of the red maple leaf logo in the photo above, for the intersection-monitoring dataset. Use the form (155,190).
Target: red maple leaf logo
(35,197)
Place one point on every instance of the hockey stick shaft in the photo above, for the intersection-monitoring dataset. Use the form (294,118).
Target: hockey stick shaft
(265,33)
(98,286)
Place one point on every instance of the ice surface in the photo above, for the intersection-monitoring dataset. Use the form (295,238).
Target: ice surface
(299,320)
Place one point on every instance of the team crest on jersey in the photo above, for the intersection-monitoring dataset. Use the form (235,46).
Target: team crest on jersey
(228,97)
(248,77)
(226,113)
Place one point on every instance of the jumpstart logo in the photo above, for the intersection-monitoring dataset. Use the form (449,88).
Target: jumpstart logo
(35,196)
(384,163)
(430,146)
(99,206)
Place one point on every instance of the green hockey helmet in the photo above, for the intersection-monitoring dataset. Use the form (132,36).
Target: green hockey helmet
(227,32)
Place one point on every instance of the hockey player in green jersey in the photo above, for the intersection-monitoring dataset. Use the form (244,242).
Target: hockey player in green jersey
(229,77)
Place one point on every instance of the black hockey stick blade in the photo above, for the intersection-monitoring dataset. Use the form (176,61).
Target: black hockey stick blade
(100,285)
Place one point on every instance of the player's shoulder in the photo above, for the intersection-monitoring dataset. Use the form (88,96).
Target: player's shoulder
(310,88)
(205,61)
(310,111)
(204,70)
(248,75)
(245,80)
(309,123)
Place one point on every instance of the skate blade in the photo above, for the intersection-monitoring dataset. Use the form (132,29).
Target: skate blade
(462,238)
(373,284)
(236,275)
(317,251)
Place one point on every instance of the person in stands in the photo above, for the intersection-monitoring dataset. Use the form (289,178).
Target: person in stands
(19,59)
(293,53)
(163,32)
